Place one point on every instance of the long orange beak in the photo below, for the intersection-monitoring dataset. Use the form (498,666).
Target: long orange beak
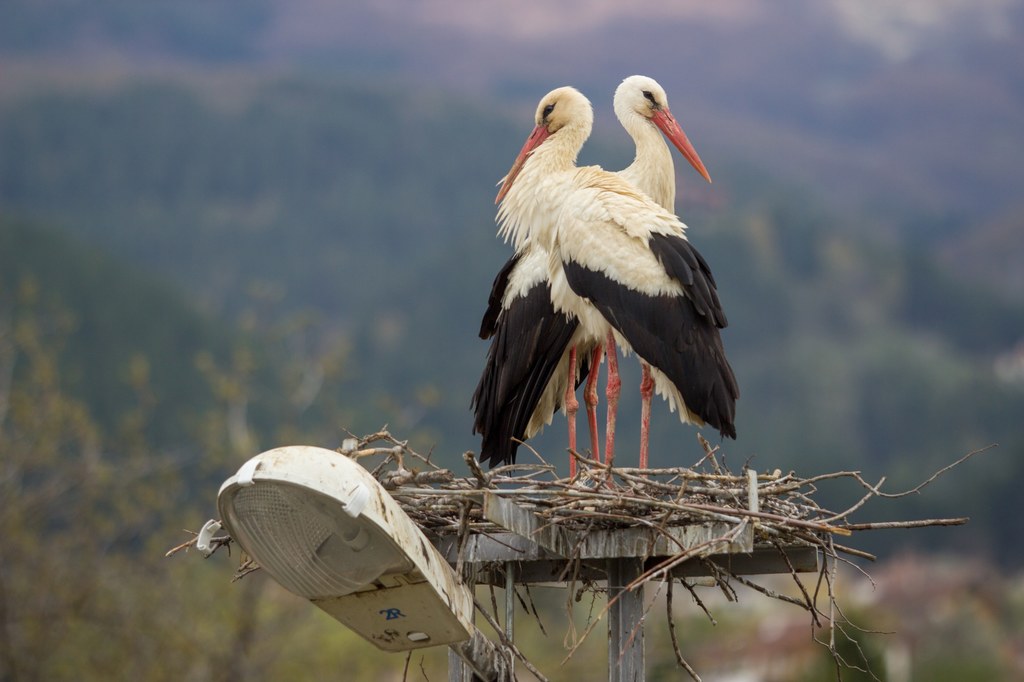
(536,138)
(666,122)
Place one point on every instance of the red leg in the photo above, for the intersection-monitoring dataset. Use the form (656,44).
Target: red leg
(590,399)
(612,390)
(572,406)
(646,391)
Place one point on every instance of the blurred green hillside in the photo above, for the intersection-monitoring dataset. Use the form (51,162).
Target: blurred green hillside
(345,231)
(194,269)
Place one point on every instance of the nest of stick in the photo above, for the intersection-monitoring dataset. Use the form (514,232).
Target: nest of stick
(780,508)
(782,505)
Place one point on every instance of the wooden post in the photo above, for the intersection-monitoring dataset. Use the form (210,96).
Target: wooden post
(476,659)
(457,669)
(510,610)
(625,621)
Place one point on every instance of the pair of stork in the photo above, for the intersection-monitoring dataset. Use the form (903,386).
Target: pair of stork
(601,261)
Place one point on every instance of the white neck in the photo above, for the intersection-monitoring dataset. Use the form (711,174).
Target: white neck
(528,211)
(652,170)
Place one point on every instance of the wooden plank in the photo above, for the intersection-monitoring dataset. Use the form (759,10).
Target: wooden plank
(550,572)
(637,541)
(537,566)
(762,561)
(495,547)
(509,515)
(668,541)
(605,544)
(625,621)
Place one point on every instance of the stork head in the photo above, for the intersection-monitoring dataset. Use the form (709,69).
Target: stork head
(564,113)
(644,97)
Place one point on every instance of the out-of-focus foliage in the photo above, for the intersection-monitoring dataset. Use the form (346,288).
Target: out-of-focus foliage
(914,619)
(335,220)
(91,504)
(307,257)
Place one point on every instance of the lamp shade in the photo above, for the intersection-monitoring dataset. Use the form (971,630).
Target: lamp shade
(326,530)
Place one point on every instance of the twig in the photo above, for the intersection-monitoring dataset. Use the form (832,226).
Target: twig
(405,670)
(505,642)
(482,479)
(872,491)
(796,579)
(394,479)
(654,500)
(248,566)
(698,601)
(672,635)
(185,545)
(930,479)
(918,523)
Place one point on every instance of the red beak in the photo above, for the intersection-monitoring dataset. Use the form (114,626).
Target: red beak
(536,138)
(666,122)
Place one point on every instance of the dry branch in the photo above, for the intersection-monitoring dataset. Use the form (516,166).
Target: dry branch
(781,509)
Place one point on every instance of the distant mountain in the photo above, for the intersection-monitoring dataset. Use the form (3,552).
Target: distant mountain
(906,108)
(992,253)
(250,223)
(106,319)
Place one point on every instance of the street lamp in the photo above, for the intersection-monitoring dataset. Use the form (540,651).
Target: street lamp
(326,530)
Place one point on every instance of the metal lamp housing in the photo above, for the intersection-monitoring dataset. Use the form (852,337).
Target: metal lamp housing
(326,530)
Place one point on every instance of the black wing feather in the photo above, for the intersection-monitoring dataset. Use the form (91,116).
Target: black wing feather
(684,263)
(678,335)
(489,323)
(529,339)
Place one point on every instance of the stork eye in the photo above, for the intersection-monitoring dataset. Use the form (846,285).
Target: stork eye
(649,96)
(548,109)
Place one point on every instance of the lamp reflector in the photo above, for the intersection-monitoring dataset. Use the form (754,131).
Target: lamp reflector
(307,544)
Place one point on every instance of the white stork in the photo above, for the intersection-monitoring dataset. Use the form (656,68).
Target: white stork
(531,363)
(522,384)
(619,267)
(641,106)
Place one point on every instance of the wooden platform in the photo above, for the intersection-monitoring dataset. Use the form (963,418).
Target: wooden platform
(544,554)
(532,551)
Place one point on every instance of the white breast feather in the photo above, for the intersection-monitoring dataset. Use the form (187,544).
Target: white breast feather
(531,269)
